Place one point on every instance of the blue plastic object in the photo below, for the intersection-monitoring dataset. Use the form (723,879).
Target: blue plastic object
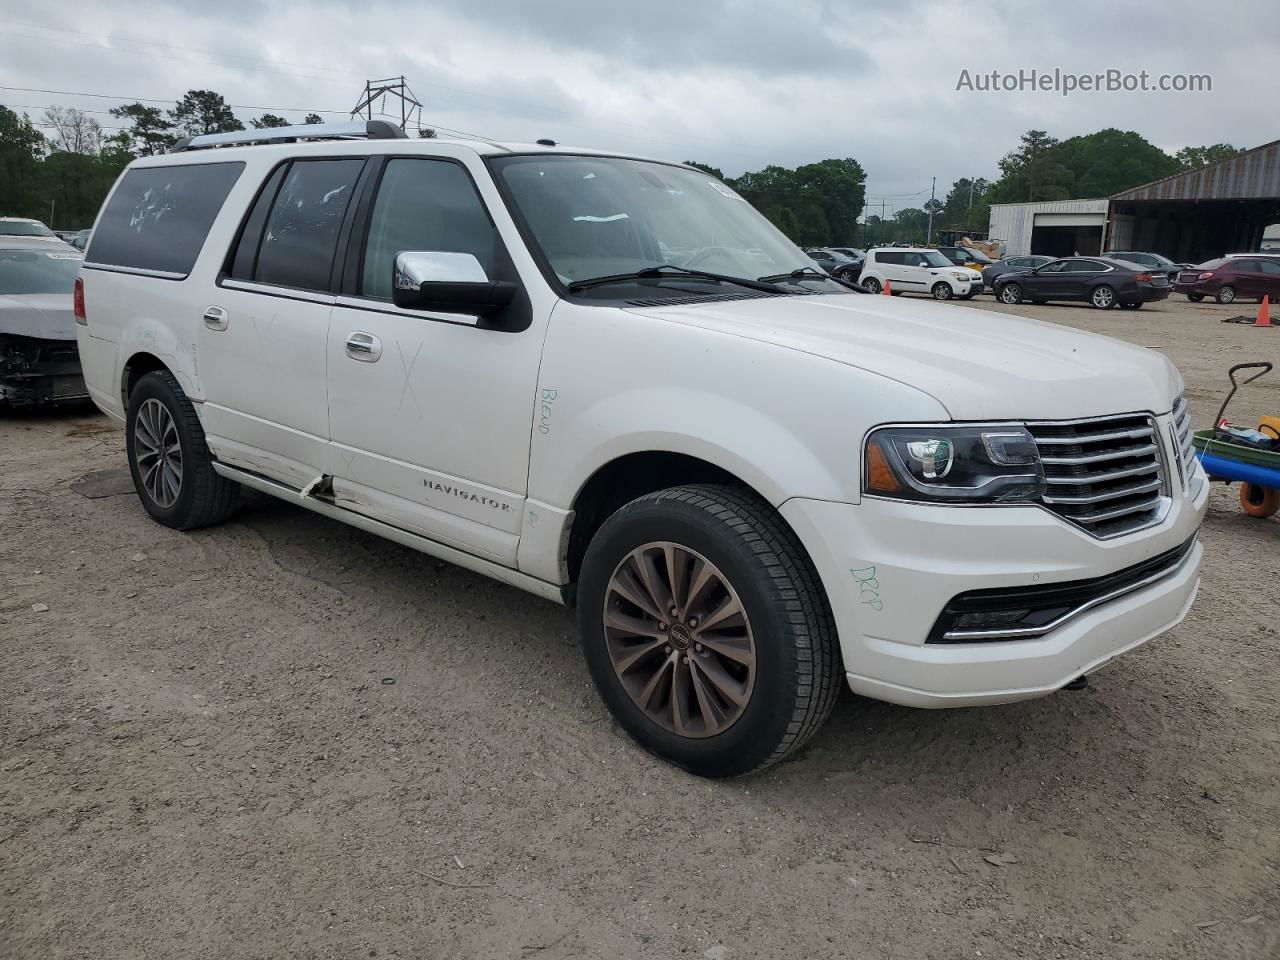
(1220,468)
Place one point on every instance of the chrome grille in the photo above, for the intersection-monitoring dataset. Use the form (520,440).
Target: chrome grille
(1182,438)
(1103,475)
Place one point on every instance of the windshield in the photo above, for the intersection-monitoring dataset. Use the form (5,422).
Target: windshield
(604,217)
(31,271)
(930,258)
(24,228)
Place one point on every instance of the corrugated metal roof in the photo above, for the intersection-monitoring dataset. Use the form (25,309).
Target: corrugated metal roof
(1253,174)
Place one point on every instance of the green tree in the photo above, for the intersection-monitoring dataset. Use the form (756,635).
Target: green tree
(1094,165)
(268,120)
(148,133)
(1193,158)
(312,118)
(714,171)
(22,148)
(203,111)
(426,133)
(814,204)
(966,206)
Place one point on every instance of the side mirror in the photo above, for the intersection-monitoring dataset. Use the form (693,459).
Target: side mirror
(447,283)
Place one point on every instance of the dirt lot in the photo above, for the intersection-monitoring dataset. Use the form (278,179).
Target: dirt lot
(285,738)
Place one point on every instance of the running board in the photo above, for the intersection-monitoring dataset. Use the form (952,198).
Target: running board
(432,548)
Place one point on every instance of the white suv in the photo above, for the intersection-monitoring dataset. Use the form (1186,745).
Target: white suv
(611,382)
(913,270)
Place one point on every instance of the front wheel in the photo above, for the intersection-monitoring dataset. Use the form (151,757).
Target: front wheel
(1103,297)
(871,284)
(170,461)
(1195,297)
(706,630)
(1227,294)
(941,291)
(1260,502)
(1011,293)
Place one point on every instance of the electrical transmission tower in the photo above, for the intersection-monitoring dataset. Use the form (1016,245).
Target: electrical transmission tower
(377,91)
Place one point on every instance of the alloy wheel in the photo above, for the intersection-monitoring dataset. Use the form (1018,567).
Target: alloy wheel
(679,639)
(1104,297)
(157,451)
(1010,293)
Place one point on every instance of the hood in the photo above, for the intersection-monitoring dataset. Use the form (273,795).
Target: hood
(45,316)
(978,364)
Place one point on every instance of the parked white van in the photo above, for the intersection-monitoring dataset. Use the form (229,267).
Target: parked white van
(610,382)
(915,270)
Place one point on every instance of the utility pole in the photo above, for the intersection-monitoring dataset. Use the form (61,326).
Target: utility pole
(882,219)
(928,240)
(51,205)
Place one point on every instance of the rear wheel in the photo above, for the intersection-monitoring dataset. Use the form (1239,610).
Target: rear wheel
(1131,306)
(706,631)
(1011,293)
(1226,295)
(872,284)
(170,461)
(1103,297)
(1261,502)
(941,291)
(1195,297)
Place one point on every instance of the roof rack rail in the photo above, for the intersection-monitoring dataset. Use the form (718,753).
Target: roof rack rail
(355,129)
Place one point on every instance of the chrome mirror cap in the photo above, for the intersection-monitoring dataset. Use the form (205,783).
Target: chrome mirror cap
(413,268)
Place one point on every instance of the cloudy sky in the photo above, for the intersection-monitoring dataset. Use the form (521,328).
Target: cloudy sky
(735,83)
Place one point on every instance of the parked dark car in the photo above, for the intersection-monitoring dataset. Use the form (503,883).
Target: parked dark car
(1156,261)
(1103,282)
(1012,265)
(836,264)
(1228,279)
(81,240)
(853,253)
(966,257)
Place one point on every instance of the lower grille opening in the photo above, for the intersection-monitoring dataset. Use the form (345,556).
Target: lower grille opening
(1019,613)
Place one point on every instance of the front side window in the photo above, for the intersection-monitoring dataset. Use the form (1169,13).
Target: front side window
(301,235)
(425,205)
(158,217)
(34,271)
(1270,267)
(594,217)
(1056,267)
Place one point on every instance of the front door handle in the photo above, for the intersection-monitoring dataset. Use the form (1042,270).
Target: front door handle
(215,318)
(364,347)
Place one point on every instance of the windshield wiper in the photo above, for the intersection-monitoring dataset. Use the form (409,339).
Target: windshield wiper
(812,273)
(660,270)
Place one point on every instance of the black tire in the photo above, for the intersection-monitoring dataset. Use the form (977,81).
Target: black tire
(798,667)
(1102,297)
(941,291)
(1226,295)
(872,285)
(1010,293)
(1195,297)
(204,498)
(1131,306)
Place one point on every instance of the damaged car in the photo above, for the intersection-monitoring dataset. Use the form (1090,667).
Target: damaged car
(39,360)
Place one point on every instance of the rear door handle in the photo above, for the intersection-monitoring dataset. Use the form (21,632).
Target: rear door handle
(215,318)
(364,347)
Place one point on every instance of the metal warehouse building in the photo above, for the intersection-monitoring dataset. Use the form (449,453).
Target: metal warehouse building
(1225,207)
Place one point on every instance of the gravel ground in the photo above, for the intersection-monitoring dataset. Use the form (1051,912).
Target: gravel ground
(285,738)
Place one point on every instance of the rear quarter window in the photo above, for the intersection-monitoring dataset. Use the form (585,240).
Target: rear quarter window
(158,217)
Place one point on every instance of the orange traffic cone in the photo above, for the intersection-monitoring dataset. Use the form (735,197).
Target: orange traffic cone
(886,292)
(1264,312)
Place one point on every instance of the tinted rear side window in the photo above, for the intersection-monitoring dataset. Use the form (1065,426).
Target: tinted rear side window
(301,236)
(158,217)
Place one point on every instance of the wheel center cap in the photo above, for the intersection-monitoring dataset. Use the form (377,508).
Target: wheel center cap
(680,636)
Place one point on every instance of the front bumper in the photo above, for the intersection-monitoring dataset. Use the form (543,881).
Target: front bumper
(890,568)
(34,371)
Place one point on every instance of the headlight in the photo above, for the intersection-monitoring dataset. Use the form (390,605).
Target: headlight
(962,276)
(994,464)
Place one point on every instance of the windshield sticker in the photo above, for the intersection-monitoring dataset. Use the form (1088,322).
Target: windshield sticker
(724,191)
(589,219)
